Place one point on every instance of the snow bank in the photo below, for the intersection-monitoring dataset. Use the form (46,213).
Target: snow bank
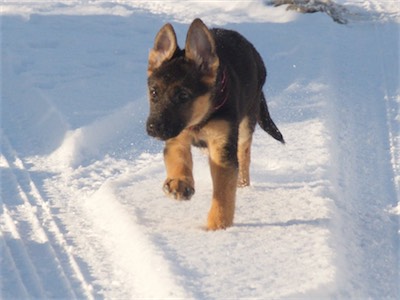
(212,12)
(182,11)
(93,140)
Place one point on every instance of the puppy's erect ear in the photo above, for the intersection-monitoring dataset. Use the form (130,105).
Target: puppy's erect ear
(164,47)
(200,47)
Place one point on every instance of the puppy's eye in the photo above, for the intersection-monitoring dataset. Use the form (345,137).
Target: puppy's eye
(182,96)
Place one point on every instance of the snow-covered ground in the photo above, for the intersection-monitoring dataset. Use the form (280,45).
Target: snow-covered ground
(82,210)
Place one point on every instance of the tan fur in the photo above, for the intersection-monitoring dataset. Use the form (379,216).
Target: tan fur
(211,77)
(179,164)
(244,152)
(224,176)
(165,45)
(200,109)
(222,209)
(191,53)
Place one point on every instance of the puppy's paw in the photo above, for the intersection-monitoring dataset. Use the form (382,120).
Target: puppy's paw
(220,217)
(218,223)
(179,189)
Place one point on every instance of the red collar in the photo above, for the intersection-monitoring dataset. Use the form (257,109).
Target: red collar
(222,92)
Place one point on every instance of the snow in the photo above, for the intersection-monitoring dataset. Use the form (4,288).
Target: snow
(83,215)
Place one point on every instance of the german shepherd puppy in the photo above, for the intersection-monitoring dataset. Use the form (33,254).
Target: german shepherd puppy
(208,95)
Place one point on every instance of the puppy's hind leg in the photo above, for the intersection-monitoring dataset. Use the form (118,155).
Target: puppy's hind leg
(246,130)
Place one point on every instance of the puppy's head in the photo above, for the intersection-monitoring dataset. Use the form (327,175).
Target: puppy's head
(180,82)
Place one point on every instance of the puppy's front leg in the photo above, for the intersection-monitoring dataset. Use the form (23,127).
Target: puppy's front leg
(178,162)
(224,172)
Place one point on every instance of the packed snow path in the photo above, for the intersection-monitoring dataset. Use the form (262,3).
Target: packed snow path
(82,211)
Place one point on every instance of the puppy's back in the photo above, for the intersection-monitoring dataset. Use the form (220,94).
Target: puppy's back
(239,54)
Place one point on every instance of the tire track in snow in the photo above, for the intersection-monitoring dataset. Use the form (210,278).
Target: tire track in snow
(16,258)
(361,148)
(37,236)
(139,269)
(107,234)
(124,262)
(392,101)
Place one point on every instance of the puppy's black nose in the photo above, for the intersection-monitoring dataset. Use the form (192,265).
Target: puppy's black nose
(161,130)
(152,129)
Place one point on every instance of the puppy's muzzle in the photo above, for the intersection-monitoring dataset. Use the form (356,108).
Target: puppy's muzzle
(160,130)
(155,129)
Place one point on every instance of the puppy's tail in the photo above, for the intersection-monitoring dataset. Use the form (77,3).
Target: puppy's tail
(266,123)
